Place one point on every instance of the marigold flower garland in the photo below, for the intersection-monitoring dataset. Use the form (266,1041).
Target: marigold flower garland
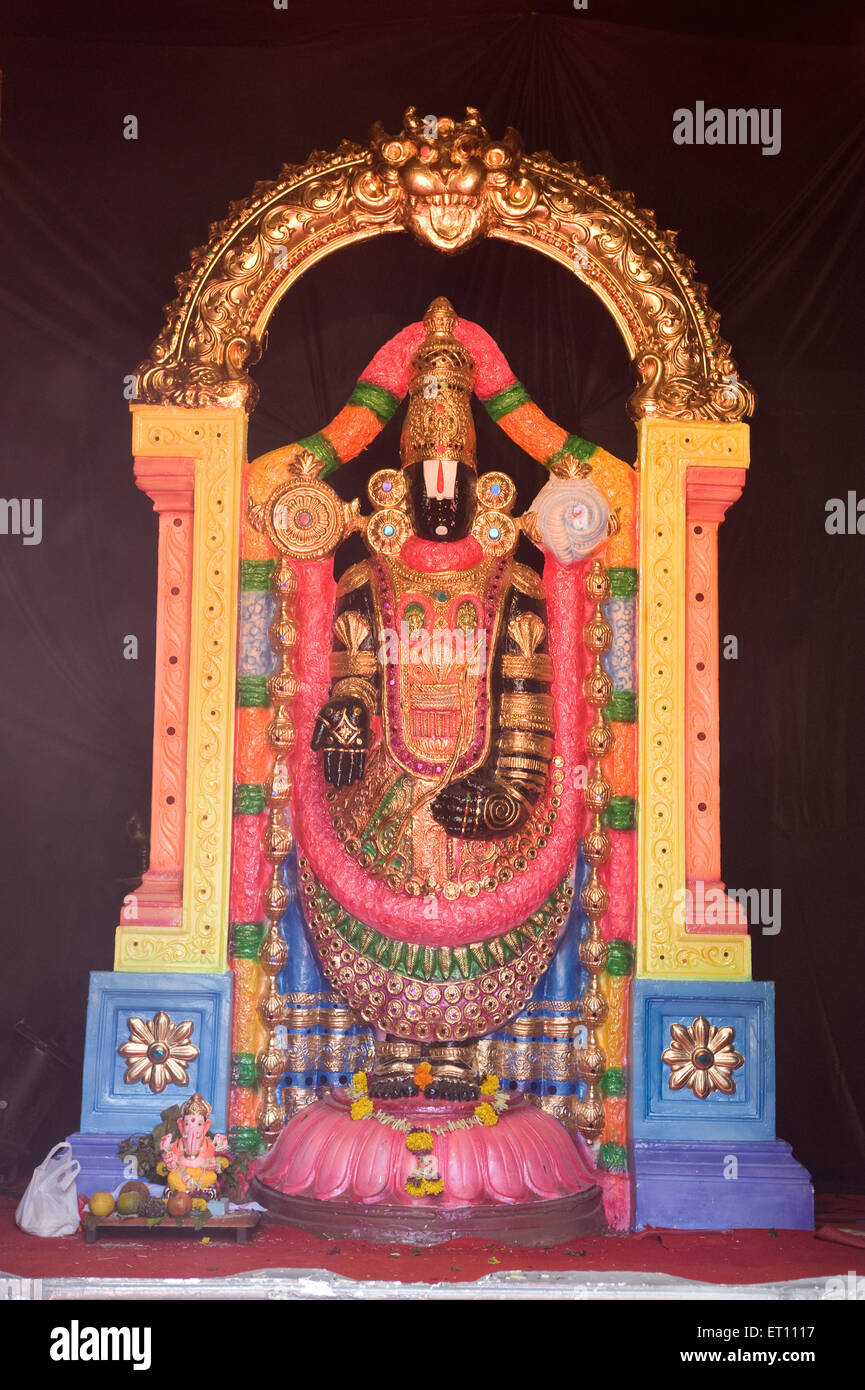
(361,1105)
(423,1075)
(425,1180)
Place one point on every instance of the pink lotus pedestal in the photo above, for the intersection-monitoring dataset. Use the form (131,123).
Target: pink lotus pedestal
(521,1181)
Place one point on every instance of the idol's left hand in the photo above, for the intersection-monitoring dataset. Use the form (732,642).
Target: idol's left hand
(479,808)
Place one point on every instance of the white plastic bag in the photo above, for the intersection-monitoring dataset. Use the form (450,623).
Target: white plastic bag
(49,1206)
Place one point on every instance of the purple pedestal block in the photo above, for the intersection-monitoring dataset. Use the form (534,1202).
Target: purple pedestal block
(718,1186)
(101,1169)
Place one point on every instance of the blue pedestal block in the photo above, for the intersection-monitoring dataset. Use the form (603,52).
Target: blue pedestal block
(718,1186)
(111,1107)
(711,1163)
(101,1169)
(659,1112)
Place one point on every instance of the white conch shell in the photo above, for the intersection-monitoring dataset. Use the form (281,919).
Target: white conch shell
(572,516)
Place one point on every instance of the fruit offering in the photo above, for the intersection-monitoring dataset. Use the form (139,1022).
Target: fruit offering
(179,1204)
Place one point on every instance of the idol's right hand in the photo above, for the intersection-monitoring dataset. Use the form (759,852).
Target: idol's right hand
(342,733)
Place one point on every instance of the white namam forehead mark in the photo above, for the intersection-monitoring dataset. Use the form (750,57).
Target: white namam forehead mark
(440,471)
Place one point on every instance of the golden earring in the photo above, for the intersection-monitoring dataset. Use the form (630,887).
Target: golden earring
(388,529)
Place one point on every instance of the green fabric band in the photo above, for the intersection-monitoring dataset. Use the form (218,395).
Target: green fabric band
(578,448)
(245,1140)
(244,940)
(503,402)
(374,398)
(249,799)
(614,1083)
(252,690)
(243,1070)
(622,709)
(623,581)
(620,960)
(323,451)
(255,575)
(621,814)
(613,1158)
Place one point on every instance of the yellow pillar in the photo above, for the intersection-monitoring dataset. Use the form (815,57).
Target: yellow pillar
(665,948)
(216,441)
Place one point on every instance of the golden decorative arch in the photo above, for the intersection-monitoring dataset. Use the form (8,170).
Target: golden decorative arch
(448,184)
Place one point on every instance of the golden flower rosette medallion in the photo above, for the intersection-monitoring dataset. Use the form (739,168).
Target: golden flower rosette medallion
(158,1052)
(702,1059)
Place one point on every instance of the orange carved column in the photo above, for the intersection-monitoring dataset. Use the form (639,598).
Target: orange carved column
(169,484)
(709,492)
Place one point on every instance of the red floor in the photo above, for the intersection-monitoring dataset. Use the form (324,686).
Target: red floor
(718,1257)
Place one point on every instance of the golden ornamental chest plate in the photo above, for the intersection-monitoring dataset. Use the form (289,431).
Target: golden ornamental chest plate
(437,633)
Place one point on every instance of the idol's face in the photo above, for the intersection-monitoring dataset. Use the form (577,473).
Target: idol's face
(441,499)
(193,1128)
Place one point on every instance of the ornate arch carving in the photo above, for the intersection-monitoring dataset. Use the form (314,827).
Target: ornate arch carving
(448,189)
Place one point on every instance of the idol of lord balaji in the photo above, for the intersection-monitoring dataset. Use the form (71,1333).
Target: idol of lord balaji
(448,790)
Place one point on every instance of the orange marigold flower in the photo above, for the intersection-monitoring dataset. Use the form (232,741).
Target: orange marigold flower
(423,1074)
(419,1141)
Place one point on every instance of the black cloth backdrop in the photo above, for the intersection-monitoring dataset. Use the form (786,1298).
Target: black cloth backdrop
(94,228)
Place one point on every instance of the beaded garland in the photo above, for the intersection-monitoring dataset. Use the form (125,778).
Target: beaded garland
(415,991)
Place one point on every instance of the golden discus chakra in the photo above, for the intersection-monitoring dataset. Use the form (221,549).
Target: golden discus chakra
(305,519)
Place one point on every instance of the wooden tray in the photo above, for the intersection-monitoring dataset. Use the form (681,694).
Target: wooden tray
(238,1222)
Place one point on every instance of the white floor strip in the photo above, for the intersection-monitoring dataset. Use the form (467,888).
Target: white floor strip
(320,1284)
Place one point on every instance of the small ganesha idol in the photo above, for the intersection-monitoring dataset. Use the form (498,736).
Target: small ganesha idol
(194,1162)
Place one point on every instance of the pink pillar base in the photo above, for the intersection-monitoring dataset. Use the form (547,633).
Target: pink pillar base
(709,910)
(157,903)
